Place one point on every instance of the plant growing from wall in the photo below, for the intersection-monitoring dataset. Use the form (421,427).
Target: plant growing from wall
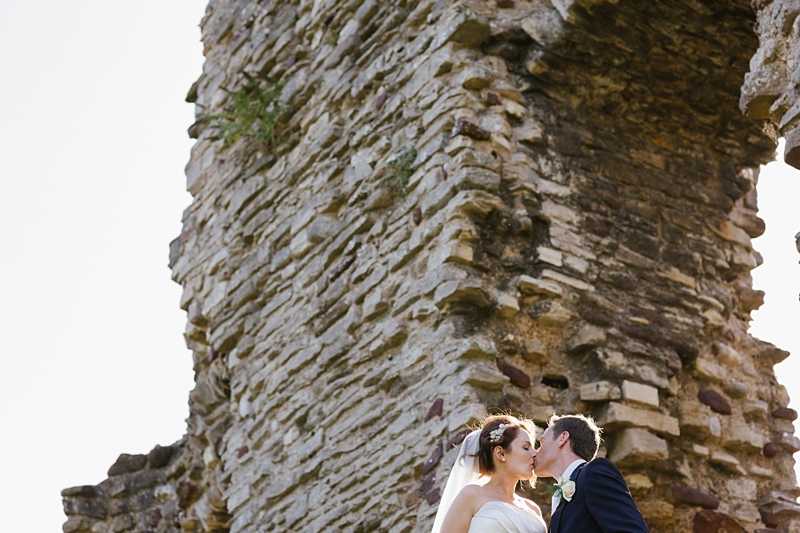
(254,111)
(400,170)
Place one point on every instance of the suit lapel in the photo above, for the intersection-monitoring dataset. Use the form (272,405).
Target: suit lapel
(555,520)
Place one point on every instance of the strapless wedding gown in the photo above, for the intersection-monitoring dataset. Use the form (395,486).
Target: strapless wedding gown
(501,517)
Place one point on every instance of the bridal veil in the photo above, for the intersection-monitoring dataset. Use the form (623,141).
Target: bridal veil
(465,472)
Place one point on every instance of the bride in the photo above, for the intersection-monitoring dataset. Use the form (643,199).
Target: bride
(479,496)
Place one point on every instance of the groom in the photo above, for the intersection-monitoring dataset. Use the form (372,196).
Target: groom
(593,496)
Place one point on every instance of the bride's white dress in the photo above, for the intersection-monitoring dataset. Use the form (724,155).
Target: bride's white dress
(501,517)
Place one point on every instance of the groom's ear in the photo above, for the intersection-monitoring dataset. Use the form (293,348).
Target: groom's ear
(562,439)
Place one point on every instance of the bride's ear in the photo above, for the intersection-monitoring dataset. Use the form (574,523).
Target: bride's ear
(499,454)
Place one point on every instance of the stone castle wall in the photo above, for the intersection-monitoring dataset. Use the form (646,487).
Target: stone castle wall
(575,236)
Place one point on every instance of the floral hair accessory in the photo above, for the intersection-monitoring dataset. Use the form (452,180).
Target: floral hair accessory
(496,435)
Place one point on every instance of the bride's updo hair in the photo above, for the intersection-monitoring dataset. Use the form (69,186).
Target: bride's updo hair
(492,434)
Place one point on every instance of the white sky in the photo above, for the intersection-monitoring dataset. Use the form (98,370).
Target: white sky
(92,149)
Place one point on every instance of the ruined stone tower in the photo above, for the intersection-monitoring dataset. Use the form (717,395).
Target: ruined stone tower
(536,206)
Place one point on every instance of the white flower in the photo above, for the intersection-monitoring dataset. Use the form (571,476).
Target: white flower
(568,490)
(496,435)
(565,488)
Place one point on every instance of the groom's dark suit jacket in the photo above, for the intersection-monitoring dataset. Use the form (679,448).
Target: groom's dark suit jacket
(602,503)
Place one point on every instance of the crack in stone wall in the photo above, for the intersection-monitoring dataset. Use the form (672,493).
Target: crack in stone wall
(575,236)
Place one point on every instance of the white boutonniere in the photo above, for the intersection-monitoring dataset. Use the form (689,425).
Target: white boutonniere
(564,488)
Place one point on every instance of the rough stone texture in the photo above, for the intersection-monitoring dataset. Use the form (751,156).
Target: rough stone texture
(770,89)
(575,236)
(137,496)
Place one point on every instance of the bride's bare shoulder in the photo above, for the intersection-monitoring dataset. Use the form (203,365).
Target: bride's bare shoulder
(471,492)
(469,500)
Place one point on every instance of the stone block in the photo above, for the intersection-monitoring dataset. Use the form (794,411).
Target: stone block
(792,150)
(484,376)
(540,413)
(682,495)
(758,471)
(694,419)
(465,292)
(121,523)
(507,305)
(742,489)
(715,401)
(707,521)
(660,514)
(737,435)
(569,281)
(755,408)
(452,252)
(789,442)
(476,178)
(517,376)
(770,450)
(528,131)
(769,519)
(473,77)
(465,415)
(117,489)
(535,351)
(772,353)
(472,349)
(467,28)
(474,203)
(788,487)
(727,355)
(616,415)
(549,256)
(82,507)
(514,109)
(435,409)
(528,286)
(699,450)
(375,304)
(761,88)
(779,504)
(301,244)
(637,448)
(735,389)
(159,456)
(730,232)
(549,313)
(127,463)
(586,338)
(638,484)
(639,393)
(785,413)
(599,391)
(87,491)
(726,460)
(77,524)
(708,370)
(471,130)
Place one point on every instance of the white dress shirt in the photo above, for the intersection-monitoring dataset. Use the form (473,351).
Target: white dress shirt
(568,473)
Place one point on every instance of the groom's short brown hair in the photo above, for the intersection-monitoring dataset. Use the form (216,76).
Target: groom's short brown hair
(584,435)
